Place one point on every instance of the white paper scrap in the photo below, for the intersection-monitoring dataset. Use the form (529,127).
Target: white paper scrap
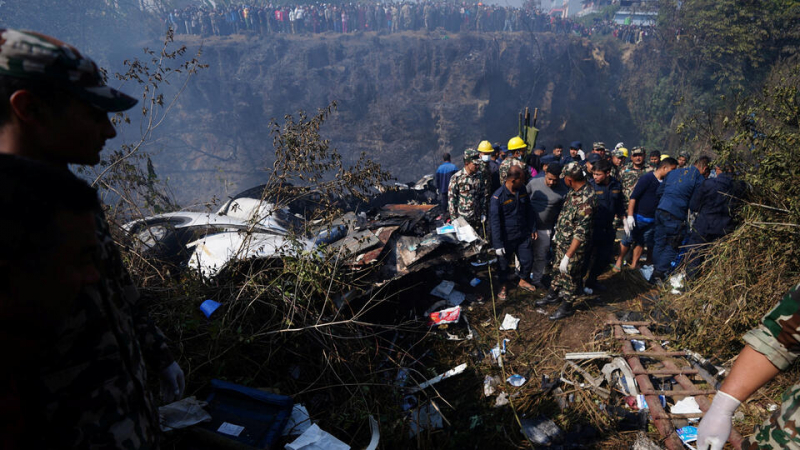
(230,429)
(686,406)
(509,323)
(298,422)
(316,439)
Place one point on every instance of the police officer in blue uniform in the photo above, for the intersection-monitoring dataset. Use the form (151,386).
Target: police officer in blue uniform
(714,203)
(610,204)
(674,195)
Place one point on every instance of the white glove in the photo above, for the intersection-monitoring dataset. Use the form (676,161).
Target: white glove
(172,383)
(500,252)
(631,222)
(626,228)
(714,429)
(563,266)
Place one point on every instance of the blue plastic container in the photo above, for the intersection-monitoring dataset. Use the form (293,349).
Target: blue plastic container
(208,307)
(260,415)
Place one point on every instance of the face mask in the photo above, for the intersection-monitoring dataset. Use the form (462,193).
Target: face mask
(485,158)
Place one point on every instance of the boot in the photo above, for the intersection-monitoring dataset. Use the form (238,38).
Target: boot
(551,297)
(565,310)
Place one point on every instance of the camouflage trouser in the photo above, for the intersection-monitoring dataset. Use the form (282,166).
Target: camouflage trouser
(780,431)
(567,284)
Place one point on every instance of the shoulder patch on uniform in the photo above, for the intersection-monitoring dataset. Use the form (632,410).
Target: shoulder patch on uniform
(511,200)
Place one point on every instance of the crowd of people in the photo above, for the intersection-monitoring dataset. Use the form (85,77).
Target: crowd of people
(569,205)
(387,17)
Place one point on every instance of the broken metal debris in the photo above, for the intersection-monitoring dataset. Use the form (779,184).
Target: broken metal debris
(315,438)
(427,417)
(452,372)
(542,431)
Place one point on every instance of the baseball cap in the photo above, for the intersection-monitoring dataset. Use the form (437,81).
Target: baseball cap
(471,154)
(637,151)
(572,169)
(593,158)
(547,159)
(599,145)
(37,57)
(576,145)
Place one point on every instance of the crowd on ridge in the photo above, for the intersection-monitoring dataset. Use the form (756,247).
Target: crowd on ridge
(304,18)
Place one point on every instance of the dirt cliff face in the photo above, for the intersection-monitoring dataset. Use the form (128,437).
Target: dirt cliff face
(404,99)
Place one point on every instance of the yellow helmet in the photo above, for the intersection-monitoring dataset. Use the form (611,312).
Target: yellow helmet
(485,147)
(516,143)
(663,157)
(624,151)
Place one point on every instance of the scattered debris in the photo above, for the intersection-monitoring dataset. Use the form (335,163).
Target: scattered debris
(587,355)
(686,406)
(542,431)
(375,431)
(638,345)
(474,282)
(315,438)
(183,413)
(443,289)
(501,400)
(643,442)
(298,422)
(509,323)
(688,435)
(454,371)
(516,380)
(426,417)
(489,383)
(449,315)
(208,307)
(647,272)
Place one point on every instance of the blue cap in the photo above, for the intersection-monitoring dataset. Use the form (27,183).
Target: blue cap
(504,149)
(548,159)
(576,145)
(593,158)
(539,147)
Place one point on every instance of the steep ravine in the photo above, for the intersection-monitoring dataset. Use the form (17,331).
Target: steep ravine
(403,99)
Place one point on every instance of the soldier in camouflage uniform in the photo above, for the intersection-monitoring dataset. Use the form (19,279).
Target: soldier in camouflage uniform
(467,192)
(516,148)
(772,347)
(633,171)
(573,232)
(89,386)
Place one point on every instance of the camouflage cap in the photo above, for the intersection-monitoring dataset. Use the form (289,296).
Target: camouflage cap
(618,153)
(637,151)
(572,169)
(684,154)
(599,145)
(34,56)
(471,154)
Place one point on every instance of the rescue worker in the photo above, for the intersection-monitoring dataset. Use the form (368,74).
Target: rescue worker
(674,195)
(465,197)
(714,203)
(442,177)
(683,159)
(600,149)
(558,153)
(90,386)
(655,158)
(770,348)
(609,197)
(618,157)
(633,171)
(513,229)
(486,150)
(516,149)
(574,153)
(573,234)
(547,198)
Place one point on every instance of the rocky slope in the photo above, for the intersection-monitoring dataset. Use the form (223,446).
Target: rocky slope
(404,99)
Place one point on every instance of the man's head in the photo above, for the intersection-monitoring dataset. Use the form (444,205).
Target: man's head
(552,173)
(683,159)
(601,172)
(446,157)
(618,156)
(539,150)
(48,245)
(515,179)
(655,157)
(471,159)
(591,160)
(53,101)
(703,164)
(573,149)
(486,150)
(516,147)
(558,150)
(666,166)
(574,176)
(599,148)
(637,156)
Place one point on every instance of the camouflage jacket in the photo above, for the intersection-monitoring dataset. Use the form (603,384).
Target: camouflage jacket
(506,166)
(576,218)
(91,387)
(467,196)
(777,339)
(630,175)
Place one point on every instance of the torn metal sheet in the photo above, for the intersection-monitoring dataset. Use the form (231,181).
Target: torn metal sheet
(452,372)
(425,418)
(375,432)
(358,242)
(384,235)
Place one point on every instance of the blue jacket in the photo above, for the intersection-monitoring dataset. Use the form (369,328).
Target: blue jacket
(511,216)
(610,203)
(676,190)
(443,175)
(713,202)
